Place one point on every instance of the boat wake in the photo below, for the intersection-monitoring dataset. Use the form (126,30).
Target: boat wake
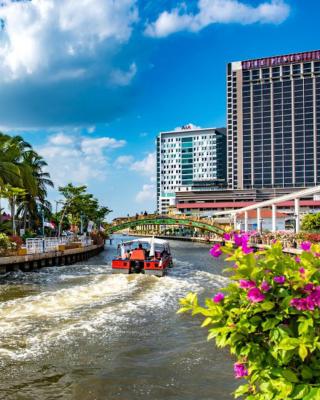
(71,303)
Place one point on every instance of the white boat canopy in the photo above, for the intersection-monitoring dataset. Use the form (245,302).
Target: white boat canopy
(148,240)
(153,242)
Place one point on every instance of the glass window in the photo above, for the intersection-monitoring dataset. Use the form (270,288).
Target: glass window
(275,72)
(286,70)
(306,68)
(296,69)
(255,74)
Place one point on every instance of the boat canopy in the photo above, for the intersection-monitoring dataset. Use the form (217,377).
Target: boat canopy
(148,240)
(153,242)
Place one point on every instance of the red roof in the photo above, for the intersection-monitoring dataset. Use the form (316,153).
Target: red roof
(265,213)
(241,204)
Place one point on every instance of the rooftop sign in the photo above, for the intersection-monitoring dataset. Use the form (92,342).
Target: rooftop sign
(281,60)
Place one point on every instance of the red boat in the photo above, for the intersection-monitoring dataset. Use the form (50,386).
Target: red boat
(145,255)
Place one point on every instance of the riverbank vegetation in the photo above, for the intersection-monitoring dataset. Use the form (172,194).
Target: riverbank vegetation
(24,184)
(269,318)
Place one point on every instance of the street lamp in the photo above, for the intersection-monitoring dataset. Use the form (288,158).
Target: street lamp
(81,223)
(261,221)
(42,216)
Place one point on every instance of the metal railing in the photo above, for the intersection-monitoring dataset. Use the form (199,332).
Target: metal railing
(44,245)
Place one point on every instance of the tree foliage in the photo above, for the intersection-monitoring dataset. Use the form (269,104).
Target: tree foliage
(269,317)
(80,205)
(22,170)
(311,222)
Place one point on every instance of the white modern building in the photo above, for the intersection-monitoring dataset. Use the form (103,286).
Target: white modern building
(189,158)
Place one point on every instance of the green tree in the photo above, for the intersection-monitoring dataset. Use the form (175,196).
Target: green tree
(79,204)
(13,194)
(311,222)
(36,196)
(21,167)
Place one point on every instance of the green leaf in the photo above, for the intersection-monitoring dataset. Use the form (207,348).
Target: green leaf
(304,326)
(269,324)
(288,344)
(303,352)
(306,372)
(314,394)
(290,376)
(300,391)
(267,305)
(243,389)
(206,322)
(183,309)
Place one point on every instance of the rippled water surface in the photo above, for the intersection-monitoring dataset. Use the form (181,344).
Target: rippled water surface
(79,332)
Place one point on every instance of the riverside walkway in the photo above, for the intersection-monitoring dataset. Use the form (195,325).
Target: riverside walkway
(41,253)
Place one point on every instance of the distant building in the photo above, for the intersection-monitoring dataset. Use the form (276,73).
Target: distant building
(206,202)
(189,158)
(273,122)
(282,221)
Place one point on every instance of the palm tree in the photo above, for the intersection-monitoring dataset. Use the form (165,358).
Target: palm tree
(36,188)
(21,167)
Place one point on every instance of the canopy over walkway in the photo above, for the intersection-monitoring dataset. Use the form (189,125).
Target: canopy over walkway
(191,222)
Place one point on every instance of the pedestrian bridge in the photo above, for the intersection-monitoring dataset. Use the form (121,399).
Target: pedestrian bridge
(190,222)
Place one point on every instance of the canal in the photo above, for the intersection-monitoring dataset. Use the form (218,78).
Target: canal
(79,332)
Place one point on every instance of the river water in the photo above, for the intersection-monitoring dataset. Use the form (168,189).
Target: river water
(79,332)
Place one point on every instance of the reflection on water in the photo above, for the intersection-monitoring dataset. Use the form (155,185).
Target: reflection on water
(79,332)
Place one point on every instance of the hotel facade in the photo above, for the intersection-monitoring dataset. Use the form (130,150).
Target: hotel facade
(273,122)
(189,158)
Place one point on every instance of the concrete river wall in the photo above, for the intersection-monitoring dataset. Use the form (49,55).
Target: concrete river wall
(31,262)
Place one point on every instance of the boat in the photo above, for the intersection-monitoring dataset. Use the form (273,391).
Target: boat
(148,256)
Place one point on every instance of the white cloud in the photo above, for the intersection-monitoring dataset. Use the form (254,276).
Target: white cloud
(146,166)
(123,78)
(147,193)
(217,11)
(97,145)
(91,129)
(78,160)
(60,139)
(42,34)
(123,161)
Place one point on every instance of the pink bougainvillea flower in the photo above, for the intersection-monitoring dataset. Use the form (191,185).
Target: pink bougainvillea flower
(298,260)
(265,286)
(241,240)
(317,255)
(240,370)
(279,279)
(246,249)
(305,246)
(255,295)
(218,297)
(303,304)
(309,287)
(244,284)
(302,271)
(227,236)
(216,250)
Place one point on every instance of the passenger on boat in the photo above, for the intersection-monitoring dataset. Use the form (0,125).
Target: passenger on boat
(138,253)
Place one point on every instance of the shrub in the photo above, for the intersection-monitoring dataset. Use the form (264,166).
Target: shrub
(311,222)
(5,244)
(269,317)
(17,241)
(98,237)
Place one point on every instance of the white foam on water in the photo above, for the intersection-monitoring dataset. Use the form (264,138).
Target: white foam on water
(107,303)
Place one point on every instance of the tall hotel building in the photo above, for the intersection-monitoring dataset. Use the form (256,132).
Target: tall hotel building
(189,158)
(273,122)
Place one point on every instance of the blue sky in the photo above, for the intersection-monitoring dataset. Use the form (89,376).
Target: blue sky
(90,83)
